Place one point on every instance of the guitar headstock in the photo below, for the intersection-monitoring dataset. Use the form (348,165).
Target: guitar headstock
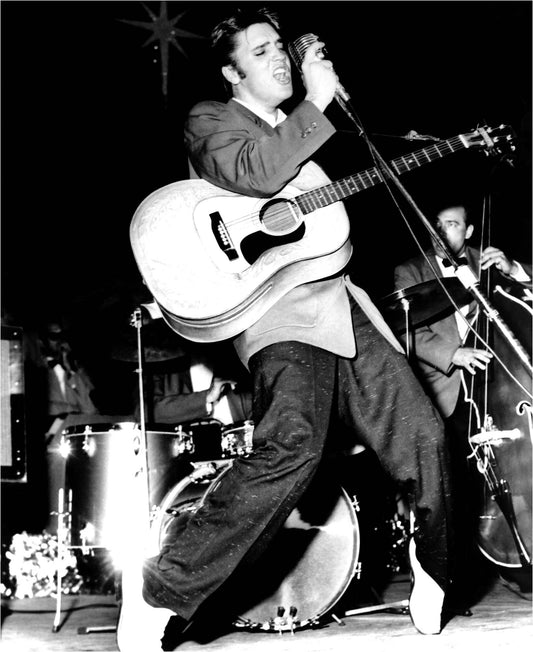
(495,141)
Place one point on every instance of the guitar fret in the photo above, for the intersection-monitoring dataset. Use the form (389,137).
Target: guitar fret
(306,205)
(335,191)
(331,196)
(350,185)
(344,187)
(366,182)
(319,198)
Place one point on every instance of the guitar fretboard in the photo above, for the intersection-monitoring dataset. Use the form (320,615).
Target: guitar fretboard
(339,190)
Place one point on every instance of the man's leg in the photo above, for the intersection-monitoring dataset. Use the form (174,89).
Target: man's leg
(292,406)
(382,400)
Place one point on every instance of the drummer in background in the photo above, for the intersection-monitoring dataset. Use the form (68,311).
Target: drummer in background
(440,357)
(188,386)
(189,389)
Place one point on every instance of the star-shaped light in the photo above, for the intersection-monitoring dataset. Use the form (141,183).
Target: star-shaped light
(166,32)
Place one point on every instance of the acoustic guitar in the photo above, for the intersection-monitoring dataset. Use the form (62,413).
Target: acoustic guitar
(216,261)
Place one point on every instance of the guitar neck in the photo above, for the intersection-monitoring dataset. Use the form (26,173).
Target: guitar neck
(339,190)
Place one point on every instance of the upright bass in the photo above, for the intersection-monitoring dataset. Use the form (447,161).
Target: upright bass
(501,421)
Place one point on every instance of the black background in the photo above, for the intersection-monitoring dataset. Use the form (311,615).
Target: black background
(87,134)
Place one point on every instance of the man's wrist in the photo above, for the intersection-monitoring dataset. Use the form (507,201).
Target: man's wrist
(320,104)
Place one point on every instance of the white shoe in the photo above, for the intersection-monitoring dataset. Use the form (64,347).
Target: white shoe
(426,600)
(140,626)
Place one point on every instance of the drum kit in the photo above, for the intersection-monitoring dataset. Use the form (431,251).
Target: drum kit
(100,458)
(183,463)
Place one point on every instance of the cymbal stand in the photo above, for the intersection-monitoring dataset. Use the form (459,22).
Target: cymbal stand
(142,494)
(60,552)
(142,452)
(136,321)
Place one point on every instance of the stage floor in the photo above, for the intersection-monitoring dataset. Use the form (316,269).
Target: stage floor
(501,620)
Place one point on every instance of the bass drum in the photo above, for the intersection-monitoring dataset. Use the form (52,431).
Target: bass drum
(308,565)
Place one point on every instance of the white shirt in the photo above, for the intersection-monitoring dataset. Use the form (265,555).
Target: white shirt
(460,315)
(201,377)
(273,122)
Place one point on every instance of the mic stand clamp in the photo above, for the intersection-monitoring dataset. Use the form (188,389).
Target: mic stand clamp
(467,277)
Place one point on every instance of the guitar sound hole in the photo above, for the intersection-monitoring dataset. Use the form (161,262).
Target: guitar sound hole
(280,216)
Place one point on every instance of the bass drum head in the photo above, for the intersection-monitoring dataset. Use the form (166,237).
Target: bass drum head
(307,566)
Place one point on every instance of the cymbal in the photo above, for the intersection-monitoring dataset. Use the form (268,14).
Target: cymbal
(427,302)
(129,354)
(159,344)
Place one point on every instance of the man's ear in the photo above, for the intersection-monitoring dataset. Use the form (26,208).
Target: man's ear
(230,74)
(469,231)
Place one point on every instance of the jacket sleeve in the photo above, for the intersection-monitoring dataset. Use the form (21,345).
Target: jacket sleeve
(234,149)
(178,408)
(174,401)
(430,346)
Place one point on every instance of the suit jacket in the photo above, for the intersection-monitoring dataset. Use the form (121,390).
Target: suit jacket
(435,345)
(233,148)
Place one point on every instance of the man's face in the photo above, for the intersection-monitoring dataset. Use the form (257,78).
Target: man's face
(452,226)
(263,73)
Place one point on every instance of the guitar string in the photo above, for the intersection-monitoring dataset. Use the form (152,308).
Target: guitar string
(420,157)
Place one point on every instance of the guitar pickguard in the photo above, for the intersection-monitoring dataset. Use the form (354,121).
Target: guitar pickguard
(258,243)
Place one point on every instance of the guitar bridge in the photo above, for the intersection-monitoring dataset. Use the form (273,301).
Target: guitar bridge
(222,236)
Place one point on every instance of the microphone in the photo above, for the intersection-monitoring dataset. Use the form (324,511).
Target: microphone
(297,50)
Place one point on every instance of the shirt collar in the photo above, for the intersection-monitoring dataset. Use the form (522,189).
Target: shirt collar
(272,121)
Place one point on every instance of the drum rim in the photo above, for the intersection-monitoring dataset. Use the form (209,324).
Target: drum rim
(106,428)
(219,468)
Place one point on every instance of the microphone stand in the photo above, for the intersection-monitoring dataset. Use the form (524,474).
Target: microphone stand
(470,281)
(463,272)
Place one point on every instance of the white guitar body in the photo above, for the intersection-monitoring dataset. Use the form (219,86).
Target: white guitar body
(208,294)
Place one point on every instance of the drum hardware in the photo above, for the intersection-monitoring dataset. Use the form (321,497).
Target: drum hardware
(278,624)
(184,442)
(60,553)
(237,439)
(400,606)
(207,470)
(301,587)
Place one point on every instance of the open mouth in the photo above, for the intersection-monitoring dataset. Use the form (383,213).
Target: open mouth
(282,75)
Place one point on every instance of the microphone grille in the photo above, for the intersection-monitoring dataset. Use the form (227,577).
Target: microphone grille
(299,47)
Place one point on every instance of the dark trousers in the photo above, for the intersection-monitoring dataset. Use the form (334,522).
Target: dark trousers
(297,390)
